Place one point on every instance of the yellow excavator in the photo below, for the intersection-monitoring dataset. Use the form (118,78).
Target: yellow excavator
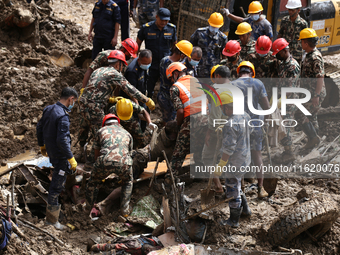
(322,15)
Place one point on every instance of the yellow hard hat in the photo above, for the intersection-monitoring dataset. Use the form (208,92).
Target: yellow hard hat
(213,70)
(243,28)
(216,20)
(307,33)
(247,64)
(185,47)
(226,97)
(255,7)
(124,109)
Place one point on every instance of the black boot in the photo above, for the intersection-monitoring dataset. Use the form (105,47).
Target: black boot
(246,210)
(313,139)
(235,214)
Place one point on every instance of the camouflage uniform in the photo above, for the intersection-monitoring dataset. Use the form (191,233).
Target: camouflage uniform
(247,49)
(132,125)
(173,6)
(212,46)
(232,67)
(100,60)
(147,10)
(312,67)
(291,32)
(115,145)
(289,74)
(194,127)
(101,86)
(262,27)
(236,144)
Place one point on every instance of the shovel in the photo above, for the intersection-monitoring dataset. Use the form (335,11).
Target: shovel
(208,194)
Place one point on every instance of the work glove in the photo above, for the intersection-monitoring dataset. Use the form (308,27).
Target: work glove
(152,126)
(150,104)
(43,151)
(73,163)
(221,164)
(225,11)
(114,100)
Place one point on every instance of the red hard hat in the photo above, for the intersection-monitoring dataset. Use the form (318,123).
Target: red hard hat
(118,55)
(231,48)
(263,44)
(278,45)
(110,116)
(131,46)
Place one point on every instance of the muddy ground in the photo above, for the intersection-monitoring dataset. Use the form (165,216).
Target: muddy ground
(26,88)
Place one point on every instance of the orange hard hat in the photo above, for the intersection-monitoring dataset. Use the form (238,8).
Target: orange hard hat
(263,44)
(246,64)
(175,66)
(278,45)
(117,54)
(131,46)
(231,48)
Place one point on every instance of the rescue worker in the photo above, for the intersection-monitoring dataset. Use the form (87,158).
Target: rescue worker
(159,36)
(246,72)
(53,134)
(232,52)
(192,62)
(98,93)
(182,48)
(147,10)
(245,39)
(113,146)
(191,123)
(137,74)
(220,75)
(125,109)
(125,18)
(105,23)
(258,22)
(289,74)
(312,74)
(129,48)
(212,41)
(290,28)
(236,154)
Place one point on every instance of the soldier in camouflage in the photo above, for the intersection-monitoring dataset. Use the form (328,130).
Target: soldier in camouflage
(147,10)
(173,6)
(98,92)
(232,52)
(245,40)
(290,28)
(312,74)
(113,146)
(289,74)
(212,41)
(235,155)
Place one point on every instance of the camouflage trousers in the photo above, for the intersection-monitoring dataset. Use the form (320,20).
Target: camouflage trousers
(191,134)
(134,128)
(301,117)
(233,184)
(103,169)
(290,111)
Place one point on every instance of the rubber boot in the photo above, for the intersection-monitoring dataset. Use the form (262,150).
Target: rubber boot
(261,193)
(235,214)
(313,139)
(245,207)
(52,216)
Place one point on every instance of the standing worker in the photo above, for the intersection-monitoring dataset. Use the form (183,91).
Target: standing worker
(312,78)
(113,146)
(232,52)
(125,18)
(53,133)
(147,10)
(235,153)
(192,62)
(105,23)
(258,22)
(289,74)
(160,37)
(212,41)
(290,28)
(191,124)
(245,39)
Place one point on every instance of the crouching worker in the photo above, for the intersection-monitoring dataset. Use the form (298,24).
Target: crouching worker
(113,146)
(235,155)
(53,133)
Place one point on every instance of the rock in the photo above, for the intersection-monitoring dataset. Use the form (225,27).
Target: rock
(301,194)
(19,129)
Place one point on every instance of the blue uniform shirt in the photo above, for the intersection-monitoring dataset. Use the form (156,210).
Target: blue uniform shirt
(159,42)
(53,130)
(105,18)
(165,82)
(263,27)
(191,70)
(137,76)
(212,46)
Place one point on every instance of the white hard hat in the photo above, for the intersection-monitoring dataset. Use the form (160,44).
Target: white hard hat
(293,4)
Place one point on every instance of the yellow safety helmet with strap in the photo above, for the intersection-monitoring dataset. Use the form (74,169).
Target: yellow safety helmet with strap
(307,33)
(124,109)
(247,64)
(243,28)
(255,7)
(216,20)
(226,97)
(185,47)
